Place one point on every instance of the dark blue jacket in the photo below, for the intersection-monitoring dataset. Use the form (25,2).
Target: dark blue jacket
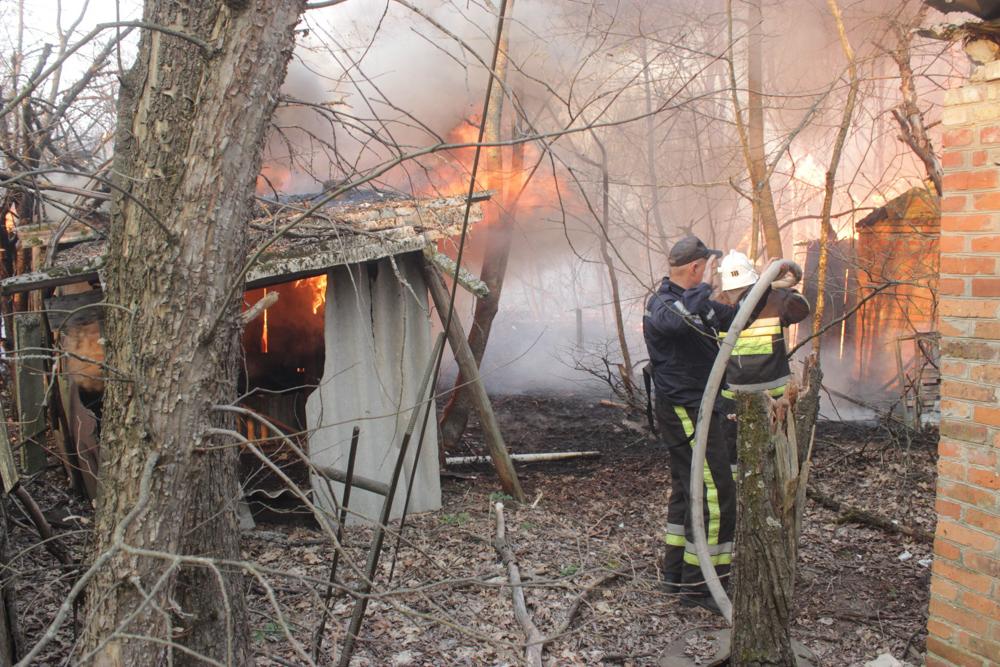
(681,328)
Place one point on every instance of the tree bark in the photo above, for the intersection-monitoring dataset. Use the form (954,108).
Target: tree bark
(9,635)
(187,151)
(763,580)
(763,198)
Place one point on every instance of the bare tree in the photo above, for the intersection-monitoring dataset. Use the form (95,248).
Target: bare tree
(191,120)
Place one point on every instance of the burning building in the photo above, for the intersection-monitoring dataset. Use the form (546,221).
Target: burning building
(344,344)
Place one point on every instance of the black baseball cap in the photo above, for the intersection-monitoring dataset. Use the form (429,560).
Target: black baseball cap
(688,249)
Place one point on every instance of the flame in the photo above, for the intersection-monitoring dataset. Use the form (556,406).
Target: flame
(263,335)
(10,219)
(273,177)
(318,287)
(524,186)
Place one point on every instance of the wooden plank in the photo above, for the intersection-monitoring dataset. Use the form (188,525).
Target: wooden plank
(41,235)
(30,361)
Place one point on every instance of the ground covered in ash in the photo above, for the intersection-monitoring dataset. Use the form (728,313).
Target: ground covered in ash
(586,546)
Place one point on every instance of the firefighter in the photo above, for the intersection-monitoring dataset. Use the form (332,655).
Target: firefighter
(759,361)
(681,326)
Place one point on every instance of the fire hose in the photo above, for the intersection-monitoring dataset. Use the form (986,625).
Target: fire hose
(705,415)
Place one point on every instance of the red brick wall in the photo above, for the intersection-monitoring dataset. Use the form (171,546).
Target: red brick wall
(964,623)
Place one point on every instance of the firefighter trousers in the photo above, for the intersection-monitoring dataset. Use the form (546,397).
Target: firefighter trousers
(680,565)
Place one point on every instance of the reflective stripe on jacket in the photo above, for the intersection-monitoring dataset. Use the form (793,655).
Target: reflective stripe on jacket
(759,360)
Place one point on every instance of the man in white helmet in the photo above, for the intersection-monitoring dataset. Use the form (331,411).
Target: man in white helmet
(759,361)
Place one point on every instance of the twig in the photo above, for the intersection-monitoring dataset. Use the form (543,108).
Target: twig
(535,640)
(42,525)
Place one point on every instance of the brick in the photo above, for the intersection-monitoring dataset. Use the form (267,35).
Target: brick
(952,368)
(931,661)
(956,159)
(953,203)
(952,654)
(990,135)
(948,508)
(953,243)
(952,286)
(944,589)
(984,415)
(988,479)
(982,646)
(963,431)
(952,307)
(979,158)
(986,244)
(986,287)
(938,628)
(947,551)
(980,222)
(962,137)
(985,373)
(951,469)
(980,604)
(968,266)
(956,328)
(966,537)
(982,563)
(955,409)
(984,520)
(987,458)
(951,449)
(957,616)
(990,330)
(983,179)
(967,494)
(958,348)
(986,202)
(970,392)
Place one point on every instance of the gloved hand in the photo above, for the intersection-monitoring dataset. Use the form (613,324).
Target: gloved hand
(789,276)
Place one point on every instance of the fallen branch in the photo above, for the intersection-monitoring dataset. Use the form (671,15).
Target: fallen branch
(848,514)
(524,458)
(535,641)
(49,539)
(574,608)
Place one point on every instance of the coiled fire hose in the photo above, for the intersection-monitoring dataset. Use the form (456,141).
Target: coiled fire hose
(705,416)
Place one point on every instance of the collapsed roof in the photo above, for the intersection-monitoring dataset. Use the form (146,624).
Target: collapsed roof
(360,228)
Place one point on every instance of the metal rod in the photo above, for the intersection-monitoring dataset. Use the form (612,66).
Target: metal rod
(357,616)
(345,499)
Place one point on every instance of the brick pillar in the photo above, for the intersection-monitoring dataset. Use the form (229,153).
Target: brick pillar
(964,623)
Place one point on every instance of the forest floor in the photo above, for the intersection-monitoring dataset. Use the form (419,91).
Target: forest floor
(587,540)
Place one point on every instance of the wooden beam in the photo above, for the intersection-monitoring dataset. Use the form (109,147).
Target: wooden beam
(470,371)
(30,371)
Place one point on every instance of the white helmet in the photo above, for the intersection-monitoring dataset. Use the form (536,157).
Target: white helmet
(736,271)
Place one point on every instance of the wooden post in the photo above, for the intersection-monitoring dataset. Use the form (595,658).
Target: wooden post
(31,373)
(470,371)
(764,576)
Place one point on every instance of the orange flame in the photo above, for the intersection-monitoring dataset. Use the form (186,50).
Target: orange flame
(318,287)
(263,335)
(10,219)
(524,186)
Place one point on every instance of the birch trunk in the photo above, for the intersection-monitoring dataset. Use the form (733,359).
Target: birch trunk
(188,148)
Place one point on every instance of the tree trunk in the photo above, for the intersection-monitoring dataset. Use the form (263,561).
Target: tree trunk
(762,197)
(188,148)
(763,579)
(498,234)
(9,637)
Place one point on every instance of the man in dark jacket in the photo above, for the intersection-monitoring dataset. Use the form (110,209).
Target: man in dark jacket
(681,326)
